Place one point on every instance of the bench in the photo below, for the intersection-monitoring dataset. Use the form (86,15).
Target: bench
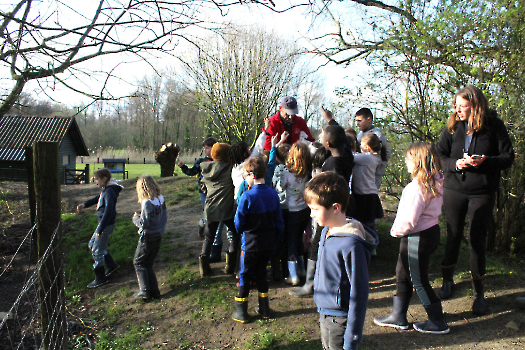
(116,166)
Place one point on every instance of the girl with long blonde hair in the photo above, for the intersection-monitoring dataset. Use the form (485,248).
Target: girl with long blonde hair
(151,223)
(417,225)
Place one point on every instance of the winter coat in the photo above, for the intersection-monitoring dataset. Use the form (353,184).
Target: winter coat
(277,128)
(259,219)
(492,141)
(219,205)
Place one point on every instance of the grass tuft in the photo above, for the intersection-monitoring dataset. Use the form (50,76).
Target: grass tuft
(78,229)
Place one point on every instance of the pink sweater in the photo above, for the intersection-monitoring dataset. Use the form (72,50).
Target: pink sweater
(416,212)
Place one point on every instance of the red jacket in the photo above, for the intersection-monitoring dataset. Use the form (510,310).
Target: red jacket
(277,128)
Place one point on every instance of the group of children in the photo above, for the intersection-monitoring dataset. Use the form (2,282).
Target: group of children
(267,202)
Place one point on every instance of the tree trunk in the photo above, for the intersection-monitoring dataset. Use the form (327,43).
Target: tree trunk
(166,157)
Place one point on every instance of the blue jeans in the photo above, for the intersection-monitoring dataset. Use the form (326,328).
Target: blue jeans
(332,331)
(218,236)
(98,243)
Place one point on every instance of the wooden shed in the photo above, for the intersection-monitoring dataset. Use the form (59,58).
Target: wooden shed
(17,133)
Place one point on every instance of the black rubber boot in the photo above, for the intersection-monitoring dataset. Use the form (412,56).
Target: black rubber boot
(143,279)
(241,310)
(263,309)
(100,277)
(398,316)
(448,281)
(216,251)
(479,308)
(111,265)
(308,288)
(436,323)
(153,284)
(142,294)
(204,265)
(231,263)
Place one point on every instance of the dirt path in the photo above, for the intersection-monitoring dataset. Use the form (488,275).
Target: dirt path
(176,323)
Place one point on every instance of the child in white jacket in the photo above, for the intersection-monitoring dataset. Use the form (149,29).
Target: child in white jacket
(416,224)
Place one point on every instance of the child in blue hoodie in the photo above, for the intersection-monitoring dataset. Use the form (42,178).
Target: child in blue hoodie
(106,203)
(341,276)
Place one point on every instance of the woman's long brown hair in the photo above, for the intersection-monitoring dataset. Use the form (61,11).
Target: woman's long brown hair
(477,119)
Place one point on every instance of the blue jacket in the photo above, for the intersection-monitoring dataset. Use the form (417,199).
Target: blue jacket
(341,276)
(259,219)
(106,206)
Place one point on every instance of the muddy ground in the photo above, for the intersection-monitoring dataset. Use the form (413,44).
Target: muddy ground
(502,328)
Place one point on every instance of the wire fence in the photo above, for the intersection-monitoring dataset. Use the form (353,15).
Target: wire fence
(36,318)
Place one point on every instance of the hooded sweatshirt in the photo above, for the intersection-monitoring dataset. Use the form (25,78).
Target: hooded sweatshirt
(341,276)
(153,217)
(106,206)
(216,175)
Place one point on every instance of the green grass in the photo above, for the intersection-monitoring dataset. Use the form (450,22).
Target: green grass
(129,340)
(3,196)
(134,170)
(78,229)
(280,339)
(179,277)
(188,192)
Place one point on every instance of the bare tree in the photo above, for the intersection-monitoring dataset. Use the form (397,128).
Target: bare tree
(239,78)
(50,41)
(311,95)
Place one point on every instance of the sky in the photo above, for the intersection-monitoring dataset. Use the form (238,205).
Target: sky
(293,23)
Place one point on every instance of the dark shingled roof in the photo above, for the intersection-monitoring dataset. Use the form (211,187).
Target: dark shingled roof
(19,132)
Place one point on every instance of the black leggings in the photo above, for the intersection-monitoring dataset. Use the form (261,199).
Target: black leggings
(479,209)
(210,233)
(412,265)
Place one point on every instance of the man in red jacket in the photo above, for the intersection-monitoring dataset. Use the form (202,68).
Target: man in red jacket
(286,119)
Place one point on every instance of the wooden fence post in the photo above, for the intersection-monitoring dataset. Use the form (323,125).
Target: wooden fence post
(30,184)
(87,179)
(51,274)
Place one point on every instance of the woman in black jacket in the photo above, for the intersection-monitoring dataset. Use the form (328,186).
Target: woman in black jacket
(474,147)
